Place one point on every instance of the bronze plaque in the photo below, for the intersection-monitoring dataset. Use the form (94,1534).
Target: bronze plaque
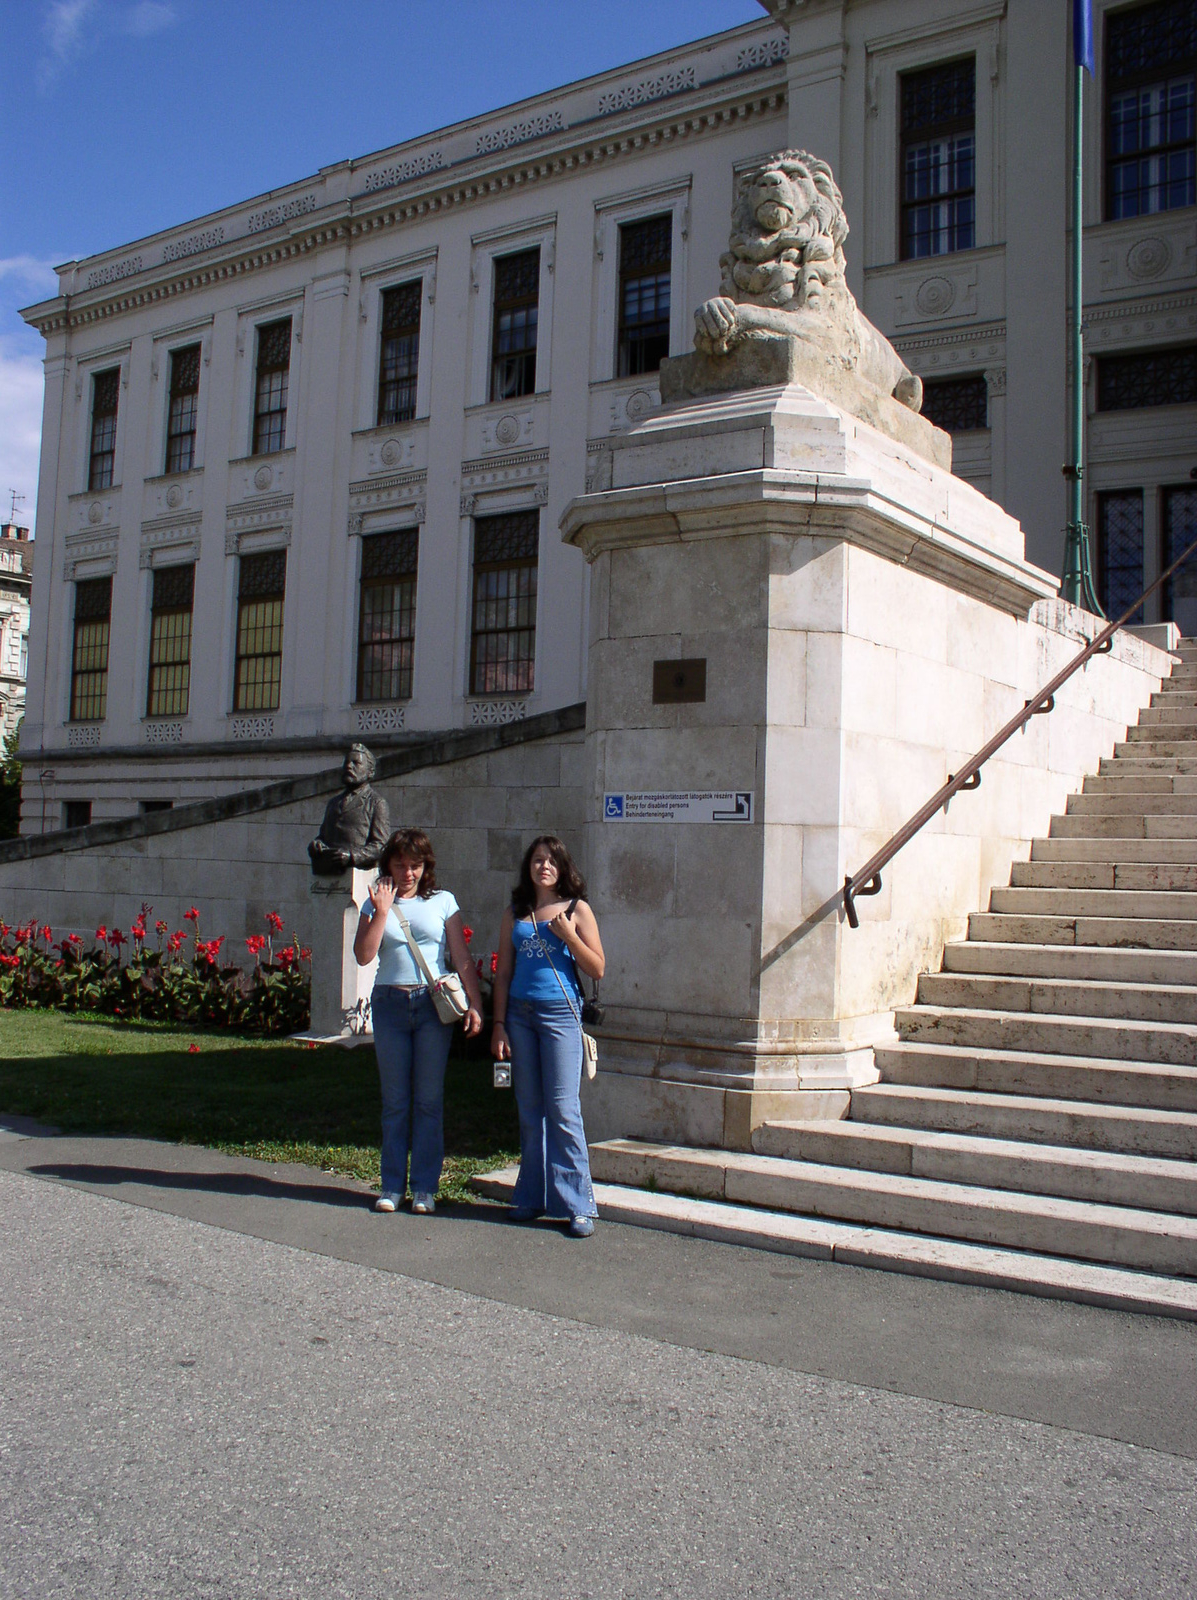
(677,683)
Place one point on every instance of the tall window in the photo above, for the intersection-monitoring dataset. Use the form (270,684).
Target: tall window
(270,394)
(105,392)
(1120,550)
(1151,139)
(503,641)
(387,617)
(939,205)
(1147,378)
(89,654)
(169,686)
(1180,530)
(184,409)
(400,353)
(513,346)
(258,667)
(958,404)
(645,250)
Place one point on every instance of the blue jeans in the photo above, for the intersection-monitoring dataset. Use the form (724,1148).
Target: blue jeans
(412,1046)
(546,1074)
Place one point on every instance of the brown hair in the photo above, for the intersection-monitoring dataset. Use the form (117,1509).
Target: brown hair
(570,883)
(417,846)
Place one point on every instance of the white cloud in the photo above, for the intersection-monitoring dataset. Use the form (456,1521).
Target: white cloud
(148,17)
(30,270)
(65,21)
(20,427)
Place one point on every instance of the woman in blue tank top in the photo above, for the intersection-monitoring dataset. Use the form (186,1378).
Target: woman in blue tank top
(548,938)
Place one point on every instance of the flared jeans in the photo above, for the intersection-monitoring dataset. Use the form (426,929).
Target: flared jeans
(546,1074)
(412,1046)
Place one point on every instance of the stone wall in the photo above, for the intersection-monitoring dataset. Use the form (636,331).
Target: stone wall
(481,796)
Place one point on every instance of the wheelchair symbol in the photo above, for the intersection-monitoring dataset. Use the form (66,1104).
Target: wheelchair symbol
(613,807)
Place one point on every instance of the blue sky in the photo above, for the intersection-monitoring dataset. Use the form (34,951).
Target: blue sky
(125,116)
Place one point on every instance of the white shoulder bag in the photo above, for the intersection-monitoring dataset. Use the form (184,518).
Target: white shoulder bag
(589,1042)
(448,993)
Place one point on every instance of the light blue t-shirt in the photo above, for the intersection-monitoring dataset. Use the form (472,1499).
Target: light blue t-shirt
(426,919)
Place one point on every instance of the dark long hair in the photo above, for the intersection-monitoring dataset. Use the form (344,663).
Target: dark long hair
(414,843)
(570,883)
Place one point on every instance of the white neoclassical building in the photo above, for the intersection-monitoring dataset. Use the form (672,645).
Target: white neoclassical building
(304,459)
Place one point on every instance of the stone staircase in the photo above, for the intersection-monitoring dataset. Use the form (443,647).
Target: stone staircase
(1036,1123)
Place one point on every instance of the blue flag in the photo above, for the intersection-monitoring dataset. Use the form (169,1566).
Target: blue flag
(1082,34)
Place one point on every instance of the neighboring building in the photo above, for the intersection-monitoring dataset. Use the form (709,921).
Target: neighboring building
(304,459)
(16,580)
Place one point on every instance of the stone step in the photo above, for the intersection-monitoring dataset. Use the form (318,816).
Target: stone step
(1172,714)
(1137,805)
(1031,1119)
(1144,1240)
(1049,1032)
(1122,781)
(1171,905)
(1174,875)
(1141,933)
(1160,741)
(1073,961)
(1123,827)
(1101,1176)
(1138,762)
(883,1249)
(1061,997)
(1133,1084)
(1115,850)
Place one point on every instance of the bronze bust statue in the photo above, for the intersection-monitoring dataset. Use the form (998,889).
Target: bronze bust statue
(356,822)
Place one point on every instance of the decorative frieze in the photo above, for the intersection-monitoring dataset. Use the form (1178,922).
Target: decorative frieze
(401,496)
(258,221)
(764,54)
(114,271)
(89,555)
(496,713)
(157,733)
(403,171)
(252,727)
(272,513)
(193,243)
(84,736)
(638,94)
(508,429)
(381,719)
(518,132)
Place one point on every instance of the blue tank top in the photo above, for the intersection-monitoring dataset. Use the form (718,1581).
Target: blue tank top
(533,977)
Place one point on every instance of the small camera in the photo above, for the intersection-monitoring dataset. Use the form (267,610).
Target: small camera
(502,1074)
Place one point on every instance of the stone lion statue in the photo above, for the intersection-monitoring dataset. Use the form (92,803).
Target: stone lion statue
(783,273)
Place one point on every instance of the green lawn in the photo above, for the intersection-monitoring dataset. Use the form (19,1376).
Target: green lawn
(276,1101)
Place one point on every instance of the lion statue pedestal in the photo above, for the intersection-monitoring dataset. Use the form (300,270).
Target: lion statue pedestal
(785,314)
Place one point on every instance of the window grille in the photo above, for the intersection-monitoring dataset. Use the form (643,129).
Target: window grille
(645,252)
(169,685)
(1147,378)
(958,404)
(503,638)
(1151,136)
(184,409)
(516,309)
(400,354)
(387,616)
(270,395)
(1120,551)
(89,654)
(1180,529)
(105,395)
(257,671)
(939,204)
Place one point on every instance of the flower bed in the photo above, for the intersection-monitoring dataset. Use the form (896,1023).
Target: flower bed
(179,977)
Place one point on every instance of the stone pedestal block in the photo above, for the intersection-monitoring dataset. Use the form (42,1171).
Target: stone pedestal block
(851,605)
(340,988)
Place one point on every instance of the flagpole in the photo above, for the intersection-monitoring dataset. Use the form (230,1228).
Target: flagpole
(1077,585)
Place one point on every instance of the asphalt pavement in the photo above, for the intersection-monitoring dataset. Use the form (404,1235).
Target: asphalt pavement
(221,1378)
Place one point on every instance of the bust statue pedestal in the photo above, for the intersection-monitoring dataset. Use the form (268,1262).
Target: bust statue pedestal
(838,607)
(340,988)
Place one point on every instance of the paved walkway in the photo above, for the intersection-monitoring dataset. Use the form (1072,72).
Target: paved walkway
(224,1379)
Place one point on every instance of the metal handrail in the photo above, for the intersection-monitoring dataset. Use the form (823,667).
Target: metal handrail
(868,880)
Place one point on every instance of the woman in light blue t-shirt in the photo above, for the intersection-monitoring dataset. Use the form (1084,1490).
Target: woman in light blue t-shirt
(410,1040)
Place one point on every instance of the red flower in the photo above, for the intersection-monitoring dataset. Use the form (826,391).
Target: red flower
(467,934)
(161,927)
(138,930)
(193,1049)
(175,940)
(116,938)
(73,938)
(192,915)
(286,958)
(494,962)
(47,935)
(305,953)
(274,922)
(102,934)
(10,961)
(310,1044)
(256,943)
